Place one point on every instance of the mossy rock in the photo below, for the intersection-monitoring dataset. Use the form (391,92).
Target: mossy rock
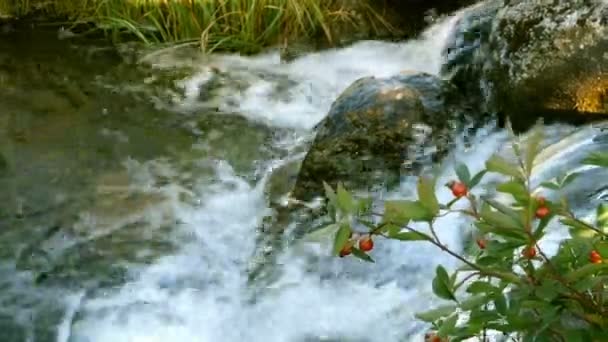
(535,59)
(377,129)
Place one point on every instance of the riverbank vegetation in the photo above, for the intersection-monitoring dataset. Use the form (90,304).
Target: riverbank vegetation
(241,25)
(509,284)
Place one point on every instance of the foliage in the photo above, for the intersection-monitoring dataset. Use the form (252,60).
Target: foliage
(241,25)
(508,285)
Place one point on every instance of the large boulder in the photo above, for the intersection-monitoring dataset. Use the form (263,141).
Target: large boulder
(378,128)
(535,58)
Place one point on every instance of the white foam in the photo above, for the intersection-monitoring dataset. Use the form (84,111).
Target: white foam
(316,79)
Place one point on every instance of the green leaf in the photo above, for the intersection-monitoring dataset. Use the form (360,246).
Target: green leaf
(569,179)
(481,287)
(585,271)
(364,205)
(462,171)
(330,194)
(473,302)
(426,194)
(477,178)
(500,303)
(597,159)
(362,255)
(515,188)
(533,148)
(441,284)
(516,216)
(499,219)
(578,229)
(548,290)
(409,236)
(500,165)
(322,233)
(346,202)
(602,216)
(448,326)
(550,185)
(402,211)
(342,236)
(437,313)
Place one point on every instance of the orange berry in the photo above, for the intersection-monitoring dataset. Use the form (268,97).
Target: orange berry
(366,244)
(595,257)
(542,212)
(459,189)
(346,250)
(481,243)
(529,252)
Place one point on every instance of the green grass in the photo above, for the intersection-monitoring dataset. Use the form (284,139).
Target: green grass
(241,25)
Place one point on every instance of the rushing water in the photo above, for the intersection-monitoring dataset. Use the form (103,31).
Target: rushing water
(159,242)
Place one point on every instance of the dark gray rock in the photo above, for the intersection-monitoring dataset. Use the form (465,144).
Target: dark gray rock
(378,128)
(530,59)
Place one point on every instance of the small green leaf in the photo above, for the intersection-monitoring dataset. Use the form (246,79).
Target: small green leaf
(330,194)
(477,178)
(409,236)
(473,302)
(585,271)
(578,229)
(515,188)
(569,179)
(548,290)
(533,148)
(602,216)
(597,159)
(550,185)
(364,205)
(437,313)
(426,194)
(448,326)
(498,219)
(362,255)
(402,211)
(500,303)
(322,233)
(441,284)
(516,216)
(462,171)
(481,287)
(500,165)
(346,202)
(342,236)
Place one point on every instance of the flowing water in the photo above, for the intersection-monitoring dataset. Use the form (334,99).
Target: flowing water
(132,208)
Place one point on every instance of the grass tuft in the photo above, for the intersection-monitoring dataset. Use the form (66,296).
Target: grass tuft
(242,25)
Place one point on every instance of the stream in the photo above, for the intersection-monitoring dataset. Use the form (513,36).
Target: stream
(133,195)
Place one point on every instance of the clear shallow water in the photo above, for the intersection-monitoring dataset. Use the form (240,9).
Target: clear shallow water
(173,265)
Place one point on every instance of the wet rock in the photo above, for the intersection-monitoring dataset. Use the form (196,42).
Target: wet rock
(537,59)
(378,128)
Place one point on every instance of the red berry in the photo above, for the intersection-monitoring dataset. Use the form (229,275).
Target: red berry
(595,257)
(346,250)
(542,212)
(366,244)
(459,189)
(529,252)
(481,243)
